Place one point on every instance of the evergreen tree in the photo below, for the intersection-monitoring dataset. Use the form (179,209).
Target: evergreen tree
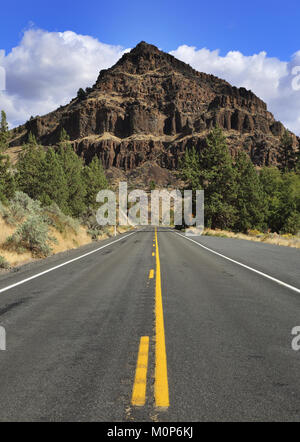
(95,181)
(271,182)
(212,170)
(217,178)
(31,141)
(81,94)
(73,168)
(287,156)
(7,184)
(53,184)
(63,137)
(29,168)
(297,167)
(249,197)
(190,169)
(4,132)
(289,209)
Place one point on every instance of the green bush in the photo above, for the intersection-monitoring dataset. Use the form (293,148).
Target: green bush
(4,211)
(292,224)
(21,205)
(4,264)
(33,235)
(89,220)
(56,218)
(94,233)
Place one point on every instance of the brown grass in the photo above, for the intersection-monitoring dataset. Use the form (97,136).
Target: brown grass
(69,239)
(12,257)
(65,241)
(269,238)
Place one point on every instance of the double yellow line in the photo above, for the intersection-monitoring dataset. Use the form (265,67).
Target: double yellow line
(140,380)
(161,387)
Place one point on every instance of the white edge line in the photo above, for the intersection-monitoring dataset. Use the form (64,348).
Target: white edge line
(5,289)
(295,289)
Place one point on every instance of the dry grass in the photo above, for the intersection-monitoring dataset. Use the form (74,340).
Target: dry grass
(16,259)
(65,241)
(12,257)
(5,230)
(13,153)
(269,238)
(69,239)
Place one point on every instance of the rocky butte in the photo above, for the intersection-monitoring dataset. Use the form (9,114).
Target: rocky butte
(146,110)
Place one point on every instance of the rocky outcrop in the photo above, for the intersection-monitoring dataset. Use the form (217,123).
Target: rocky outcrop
(151,107)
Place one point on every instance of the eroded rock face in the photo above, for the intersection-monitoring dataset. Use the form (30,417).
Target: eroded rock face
(151,107)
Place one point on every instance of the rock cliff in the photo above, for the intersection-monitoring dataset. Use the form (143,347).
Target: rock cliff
(150,107)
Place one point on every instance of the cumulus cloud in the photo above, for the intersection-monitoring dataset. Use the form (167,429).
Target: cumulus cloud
(47,68)
(276,82)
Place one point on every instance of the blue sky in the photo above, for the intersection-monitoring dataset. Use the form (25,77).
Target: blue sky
(49,49)
(250,27)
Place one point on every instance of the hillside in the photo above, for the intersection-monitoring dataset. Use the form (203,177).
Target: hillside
(150,107)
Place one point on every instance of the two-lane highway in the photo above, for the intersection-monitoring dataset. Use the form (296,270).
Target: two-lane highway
(153,327)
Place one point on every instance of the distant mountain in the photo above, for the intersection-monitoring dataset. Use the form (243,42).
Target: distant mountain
(150,107)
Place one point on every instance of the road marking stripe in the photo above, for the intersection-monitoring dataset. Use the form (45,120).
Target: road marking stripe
(151,274)
(284,284)
(140,380)
(62,265)
(161,388)
(153,254)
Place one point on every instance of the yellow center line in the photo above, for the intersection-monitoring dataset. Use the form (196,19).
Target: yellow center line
(153,254)
(151,274)
(140,381)
(161,388)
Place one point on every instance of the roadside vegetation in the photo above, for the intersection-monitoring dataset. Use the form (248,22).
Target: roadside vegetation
(284,239)
(47,200)
(238,197)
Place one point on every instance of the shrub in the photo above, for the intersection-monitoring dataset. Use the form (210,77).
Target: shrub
(21,205)
(292,224)
(94,233)
(33,235)
(56,218)
(254,232)
(81,94)
(4,264)
(4,210)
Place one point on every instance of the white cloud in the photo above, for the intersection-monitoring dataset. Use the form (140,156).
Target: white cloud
(47,68)
(269,78)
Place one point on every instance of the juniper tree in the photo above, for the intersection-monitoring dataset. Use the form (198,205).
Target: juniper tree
(95,180)
(190,169)
(249,196)
(289,211)
(211,169)
(287,157)
(271,182)
(73,168)
(29,174)
(7,183)
(4,132)
(53,183)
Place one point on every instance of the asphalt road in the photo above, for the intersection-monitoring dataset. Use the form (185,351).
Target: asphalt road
(219,346)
